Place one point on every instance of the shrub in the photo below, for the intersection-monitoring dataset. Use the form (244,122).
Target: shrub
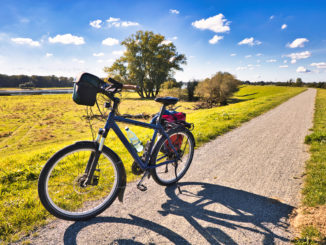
(216,90)
(27,85)
(174,92)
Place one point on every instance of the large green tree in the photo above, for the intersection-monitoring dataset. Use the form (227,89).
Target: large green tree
(149,61)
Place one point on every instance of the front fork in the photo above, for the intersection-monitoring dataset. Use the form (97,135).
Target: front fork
(90,178)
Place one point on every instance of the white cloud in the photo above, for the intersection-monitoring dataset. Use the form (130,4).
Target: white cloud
(297,43)
(78,61)
(271,61)
(259,54)
(284,26)
(129,23)
(111,19)
(216,24)
(26,41)
(298,56)
(272,17)
(166,42)
(249,41)
(302,69)
(106,61)
(284,66)
(117,23)
(48,55)
(240,68)
(174,11)
(95,23)
(285,61)
(118,52)
(320,65)
(67,39)
(110,41)
(24,20)
(98,54)
(233,54)
(175,38)
(215,39)
(248,56)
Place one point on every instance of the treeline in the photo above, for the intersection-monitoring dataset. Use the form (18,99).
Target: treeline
(290,83)
(24,81)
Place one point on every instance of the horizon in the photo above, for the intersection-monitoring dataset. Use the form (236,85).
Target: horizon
(255,41)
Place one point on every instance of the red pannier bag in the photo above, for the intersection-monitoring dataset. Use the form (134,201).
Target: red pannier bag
(175,139)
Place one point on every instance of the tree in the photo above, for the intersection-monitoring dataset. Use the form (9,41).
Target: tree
(171,84)
(191,86)
(148,62)
(299,82)
(218,89)
(27,85)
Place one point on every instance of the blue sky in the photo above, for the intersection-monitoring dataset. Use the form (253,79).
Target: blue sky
(254,40)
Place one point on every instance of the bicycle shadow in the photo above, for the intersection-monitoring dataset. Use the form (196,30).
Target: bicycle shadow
(71,233)
(246,211)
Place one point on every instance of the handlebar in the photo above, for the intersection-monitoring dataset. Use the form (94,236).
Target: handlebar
(130,87)
(115,87)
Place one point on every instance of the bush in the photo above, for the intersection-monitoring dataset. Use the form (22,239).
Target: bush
(174,92)
(27,85)
(216,90)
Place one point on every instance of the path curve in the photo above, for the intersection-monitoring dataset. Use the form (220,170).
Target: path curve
(240,189)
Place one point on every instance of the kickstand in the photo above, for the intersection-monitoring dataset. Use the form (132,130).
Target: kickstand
(175,172)
(140,186)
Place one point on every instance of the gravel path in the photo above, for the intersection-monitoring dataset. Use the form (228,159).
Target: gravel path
(240,189)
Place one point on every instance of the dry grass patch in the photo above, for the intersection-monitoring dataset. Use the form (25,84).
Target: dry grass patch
(309,225)
(311,216)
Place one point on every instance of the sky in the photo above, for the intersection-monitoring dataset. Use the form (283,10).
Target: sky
(253,40)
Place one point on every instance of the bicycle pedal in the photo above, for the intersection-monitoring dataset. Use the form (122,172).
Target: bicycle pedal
(141,187)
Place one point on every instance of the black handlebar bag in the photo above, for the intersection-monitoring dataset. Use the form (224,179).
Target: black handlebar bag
(85,89)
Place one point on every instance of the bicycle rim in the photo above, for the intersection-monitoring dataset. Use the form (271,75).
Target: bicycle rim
(66,194)
(170,173)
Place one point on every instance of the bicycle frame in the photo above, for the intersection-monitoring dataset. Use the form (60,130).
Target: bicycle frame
(111,124)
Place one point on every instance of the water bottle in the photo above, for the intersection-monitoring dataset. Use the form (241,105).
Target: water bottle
(134,140)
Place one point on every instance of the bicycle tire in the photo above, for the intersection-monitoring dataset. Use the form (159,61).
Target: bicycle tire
(165,174)
(59,185)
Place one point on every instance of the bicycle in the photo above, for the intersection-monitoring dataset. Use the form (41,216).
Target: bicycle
(81,180)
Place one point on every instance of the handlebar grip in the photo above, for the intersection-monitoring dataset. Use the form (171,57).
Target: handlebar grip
(129,86)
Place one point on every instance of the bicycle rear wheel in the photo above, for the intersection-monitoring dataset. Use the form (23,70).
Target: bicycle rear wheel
(184,142)
(61,188)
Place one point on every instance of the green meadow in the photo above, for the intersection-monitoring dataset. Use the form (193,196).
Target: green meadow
(313,212)
(34,127)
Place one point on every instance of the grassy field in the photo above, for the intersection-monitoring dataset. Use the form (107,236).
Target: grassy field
(34,127)
(8,89)
(312,217)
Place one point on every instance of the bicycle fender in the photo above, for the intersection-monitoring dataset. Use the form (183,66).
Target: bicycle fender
(123,182)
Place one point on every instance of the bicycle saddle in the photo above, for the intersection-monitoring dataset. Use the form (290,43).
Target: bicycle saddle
(167,100)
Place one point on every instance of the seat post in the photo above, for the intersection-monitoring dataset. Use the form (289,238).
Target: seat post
(161,114)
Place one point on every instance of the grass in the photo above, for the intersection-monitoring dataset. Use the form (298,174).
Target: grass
(34,127)
(315,185)
(9,89)
(313,215)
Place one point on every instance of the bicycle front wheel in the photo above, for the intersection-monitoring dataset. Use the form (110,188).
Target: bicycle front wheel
(61,183)
(184,142)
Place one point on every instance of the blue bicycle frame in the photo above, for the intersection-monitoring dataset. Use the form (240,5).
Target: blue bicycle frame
(111,124)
